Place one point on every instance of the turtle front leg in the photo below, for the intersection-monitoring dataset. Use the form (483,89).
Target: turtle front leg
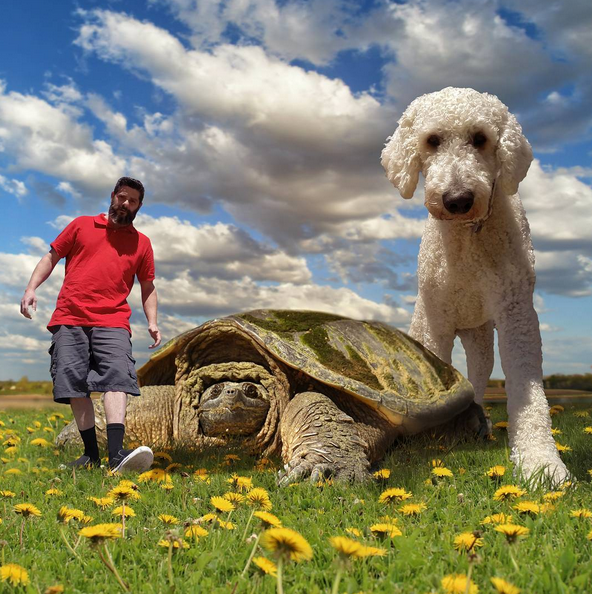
(320,440)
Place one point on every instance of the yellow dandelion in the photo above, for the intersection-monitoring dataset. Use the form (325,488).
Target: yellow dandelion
(268,520)
(555,431)
(589,536)
(382,474)
(7,494)
(346,547)
(42,443)
(102,502)
(195,531)
(57,589)
(177,543)
(123,492)
(14,574)
(158,475)
(287,543)
(562,448)
(366,551)
(496,472)
(163,456)
(581,513)
(441,471)
(354,532)
(167,486)
(119,511)
(553,495)
(26,510)
(208,518)
(226,525)
(459,583)
(413,509)
(260,498)
(174,467)
(49,429)
(167,519)
(547,508)
(221,504)
(528,507)
(512,532)
(557,408)
(501,425)
(581,414)
(266,566)
(100,532)
(497,519)
(508,492)
(201,474)
(53,492)
(241,483)
(13,471)
(503,587)
(65,514)
(234,497)
(587,430)
(467,541)
(231,458)
(394,495)
(385,529)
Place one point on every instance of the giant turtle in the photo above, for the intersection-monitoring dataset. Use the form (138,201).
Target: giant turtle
(331,393)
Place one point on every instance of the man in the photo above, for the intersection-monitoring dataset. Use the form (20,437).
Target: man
(91,347)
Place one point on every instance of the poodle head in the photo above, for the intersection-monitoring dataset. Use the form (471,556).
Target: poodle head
(462,141)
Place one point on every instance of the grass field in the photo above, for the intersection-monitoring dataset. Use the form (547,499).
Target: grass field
(415,555)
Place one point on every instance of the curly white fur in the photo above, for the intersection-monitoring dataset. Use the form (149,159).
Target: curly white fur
(473,155)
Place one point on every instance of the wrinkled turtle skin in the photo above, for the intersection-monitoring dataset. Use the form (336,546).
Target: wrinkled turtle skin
(330,393)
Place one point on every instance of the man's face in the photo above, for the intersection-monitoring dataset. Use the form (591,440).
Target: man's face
(124,206)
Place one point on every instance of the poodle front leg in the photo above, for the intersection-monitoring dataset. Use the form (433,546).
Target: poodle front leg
(433,331)
(478,345)
(532,446)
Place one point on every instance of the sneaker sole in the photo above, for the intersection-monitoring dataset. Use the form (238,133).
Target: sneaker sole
(138,461)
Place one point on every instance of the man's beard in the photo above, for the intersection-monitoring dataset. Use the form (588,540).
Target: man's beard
(121,216)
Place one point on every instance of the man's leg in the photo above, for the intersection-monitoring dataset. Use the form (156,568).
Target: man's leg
(69,369)
(113,372)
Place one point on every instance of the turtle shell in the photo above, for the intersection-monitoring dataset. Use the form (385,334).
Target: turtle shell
(370,361)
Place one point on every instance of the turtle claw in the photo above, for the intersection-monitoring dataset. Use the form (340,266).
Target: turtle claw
(302,468)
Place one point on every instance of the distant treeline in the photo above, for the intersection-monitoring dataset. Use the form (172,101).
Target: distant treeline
(557,381)
(24,386)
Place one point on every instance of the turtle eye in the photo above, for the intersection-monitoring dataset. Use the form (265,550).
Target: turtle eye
(215,390)
(250,390)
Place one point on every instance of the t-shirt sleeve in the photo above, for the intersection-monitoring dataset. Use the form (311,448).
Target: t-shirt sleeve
(64,242)
(146,268)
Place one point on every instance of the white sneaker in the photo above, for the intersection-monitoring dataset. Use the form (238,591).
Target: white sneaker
(137,460)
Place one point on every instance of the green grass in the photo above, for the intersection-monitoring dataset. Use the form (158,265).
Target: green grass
(555,557)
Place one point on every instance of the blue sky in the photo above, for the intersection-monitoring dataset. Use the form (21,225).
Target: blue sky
(257,128)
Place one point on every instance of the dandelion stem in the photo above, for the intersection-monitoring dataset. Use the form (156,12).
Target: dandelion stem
(111,566)
(123,519)
(21,535)
(170,564)
(338,575)
(251,555)
(70,546)
(513,560)
(247,526)
(280,586)
(469,572)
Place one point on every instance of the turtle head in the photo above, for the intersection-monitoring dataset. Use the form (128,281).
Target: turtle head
(233,408)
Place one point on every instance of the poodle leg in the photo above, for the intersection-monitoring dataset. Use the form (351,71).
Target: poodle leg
(478,345)
(434,334)
(532,446)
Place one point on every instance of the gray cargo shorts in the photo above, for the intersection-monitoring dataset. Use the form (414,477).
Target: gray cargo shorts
(87,359)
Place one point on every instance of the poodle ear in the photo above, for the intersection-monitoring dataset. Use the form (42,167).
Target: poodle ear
(514,154)
(400,157)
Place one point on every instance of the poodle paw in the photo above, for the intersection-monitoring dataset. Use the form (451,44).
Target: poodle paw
(551,472)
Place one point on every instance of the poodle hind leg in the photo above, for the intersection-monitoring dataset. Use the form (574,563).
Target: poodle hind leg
(478,345)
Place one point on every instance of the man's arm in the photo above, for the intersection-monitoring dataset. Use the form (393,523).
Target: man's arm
(41,273)
(150,304)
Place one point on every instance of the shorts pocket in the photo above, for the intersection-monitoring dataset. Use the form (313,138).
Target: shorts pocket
(52,360)
(131,366)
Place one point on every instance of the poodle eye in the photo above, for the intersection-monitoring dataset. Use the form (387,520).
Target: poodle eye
(479,140)
(433,140)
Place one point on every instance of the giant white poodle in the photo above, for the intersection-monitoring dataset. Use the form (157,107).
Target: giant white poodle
(476,261)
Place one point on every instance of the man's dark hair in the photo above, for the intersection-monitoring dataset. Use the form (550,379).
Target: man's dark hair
(130,182)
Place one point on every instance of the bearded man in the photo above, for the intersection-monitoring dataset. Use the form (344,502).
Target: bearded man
(91,349)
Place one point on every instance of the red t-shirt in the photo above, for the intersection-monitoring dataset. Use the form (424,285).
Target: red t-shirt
(101,262)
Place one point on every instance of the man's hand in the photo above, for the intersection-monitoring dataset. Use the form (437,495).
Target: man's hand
(155,333)
(29,300)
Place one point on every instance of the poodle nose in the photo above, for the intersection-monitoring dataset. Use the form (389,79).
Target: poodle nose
(458,203)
